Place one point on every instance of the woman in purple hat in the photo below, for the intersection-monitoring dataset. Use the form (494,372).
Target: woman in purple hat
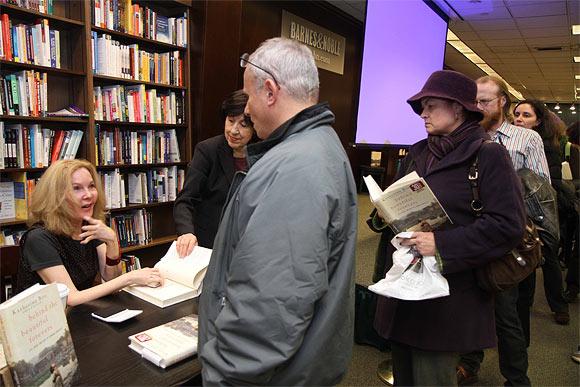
(427,336)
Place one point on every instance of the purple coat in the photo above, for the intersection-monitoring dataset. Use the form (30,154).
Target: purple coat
(463,321)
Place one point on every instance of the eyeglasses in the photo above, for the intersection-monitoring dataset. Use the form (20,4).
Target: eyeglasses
(485,102)
(244,63)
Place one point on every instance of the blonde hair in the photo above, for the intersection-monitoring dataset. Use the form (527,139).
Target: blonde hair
(51,202)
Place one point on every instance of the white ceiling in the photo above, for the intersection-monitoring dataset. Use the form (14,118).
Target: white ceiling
(528,42)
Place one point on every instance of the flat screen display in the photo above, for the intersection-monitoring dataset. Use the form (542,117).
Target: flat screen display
(404,43)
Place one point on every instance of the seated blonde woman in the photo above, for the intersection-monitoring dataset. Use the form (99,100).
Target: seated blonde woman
(68,242)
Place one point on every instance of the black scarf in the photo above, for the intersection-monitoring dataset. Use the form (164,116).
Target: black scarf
(440,146)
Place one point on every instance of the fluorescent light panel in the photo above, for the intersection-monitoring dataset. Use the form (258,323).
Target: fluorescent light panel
(466,51)
(576,29)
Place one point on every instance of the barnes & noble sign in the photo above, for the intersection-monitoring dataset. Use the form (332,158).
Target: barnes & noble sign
(327,47)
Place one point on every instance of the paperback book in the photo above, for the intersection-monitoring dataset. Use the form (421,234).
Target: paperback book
(408,204)
(169,343)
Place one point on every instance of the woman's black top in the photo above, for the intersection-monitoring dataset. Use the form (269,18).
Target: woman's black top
(41,249)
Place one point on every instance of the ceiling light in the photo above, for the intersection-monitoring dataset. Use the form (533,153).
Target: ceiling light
(559,111)
(574,112)
(466,51)
(576,29)
(577,76)
(577,59)
(572,107)
(557,107)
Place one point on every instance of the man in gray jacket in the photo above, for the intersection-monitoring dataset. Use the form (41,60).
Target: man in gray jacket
(277,306)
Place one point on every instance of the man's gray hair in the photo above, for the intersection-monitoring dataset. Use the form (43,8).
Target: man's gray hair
(292,63)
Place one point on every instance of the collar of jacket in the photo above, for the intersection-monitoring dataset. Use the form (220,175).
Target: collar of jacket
(465,151)
(318,114)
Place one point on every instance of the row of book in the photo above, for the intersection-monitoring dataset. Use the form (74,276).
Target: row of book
(133,228)
(24,93)
(110,57)
(134,19)
(36,43)
(129,263)
(30,146)
(137,104)
(42,6)
(152,186)
(11,236)
(136,146)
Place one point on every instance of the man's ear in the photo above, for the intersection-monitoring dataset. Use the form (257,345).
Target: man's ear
(502,100)
(272,91)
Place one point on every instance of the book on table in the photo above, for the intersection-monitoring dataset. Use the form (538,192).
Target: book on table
(183,278)
(36,339)
(408,204)
(169,343)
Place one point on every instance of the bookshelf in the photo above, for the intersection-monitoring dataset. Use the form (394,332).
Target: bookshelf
(74,83)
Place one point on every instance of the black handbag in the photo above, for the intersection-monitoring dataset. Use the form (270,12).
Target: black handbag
(365,305)
(515,265)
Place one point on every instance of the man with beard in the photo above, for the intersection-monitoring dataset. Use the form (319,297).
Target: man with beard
(526,150)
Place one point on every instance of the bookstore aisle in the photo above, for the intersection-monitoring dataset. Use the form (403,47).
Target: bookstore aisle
(102,80)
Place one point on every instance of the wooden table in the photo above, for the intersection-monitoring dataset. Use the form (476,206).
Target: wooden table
(102,348)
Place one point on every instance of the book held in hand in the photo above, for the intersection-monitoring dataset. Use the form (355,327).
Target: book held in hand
(168,343)
(183,278)
(408,204)
(37,342)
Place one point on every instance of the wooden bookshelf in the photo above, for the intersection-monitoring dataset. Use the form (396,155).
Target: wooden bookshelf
(73,83)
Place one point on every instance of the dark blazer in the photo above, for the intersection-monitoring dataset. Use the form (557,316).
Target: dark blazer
(464,320)
(198,206)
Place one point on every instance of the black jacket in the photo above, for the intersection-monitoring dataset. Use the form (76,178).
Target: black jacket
(198,206)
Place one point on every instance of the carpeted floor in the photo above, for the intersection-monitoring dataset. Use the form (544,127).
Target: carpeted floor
(549,352)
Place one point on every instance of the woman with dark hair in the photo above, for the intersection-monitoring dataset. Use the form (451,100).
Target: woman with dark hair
(427,336)
(68,241)
(215,161)
(534,115)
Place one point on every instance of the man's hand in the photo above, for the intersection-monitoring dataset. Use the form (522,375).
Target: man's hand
(424,242)
(185,244)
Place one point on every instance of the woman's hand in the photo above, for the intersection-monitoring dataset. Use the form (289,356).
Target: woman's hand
(148,277)
(96,229)
(185,244)
(424,242)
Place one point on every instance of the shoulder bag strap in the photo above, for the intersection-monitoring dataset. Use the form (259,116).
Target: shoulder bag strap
(473,177)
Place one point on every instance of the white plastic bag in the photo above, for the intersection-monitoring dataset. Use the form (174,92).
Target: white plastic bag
(411,278)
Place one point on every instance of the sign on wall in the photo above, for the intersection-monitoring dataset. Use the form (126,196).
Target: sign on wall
(327,47)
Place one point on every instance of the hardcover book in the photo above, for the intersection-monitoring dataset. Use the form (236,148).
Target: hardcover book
(183,278)
(36,339)
(169,343)
(408,204)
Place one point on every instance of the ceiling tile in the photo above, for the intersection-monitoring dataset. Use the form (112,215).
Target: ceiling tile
(515,43)
(468,35)
(563,40)
(491,25)
(545,32)
(472,13)
(518,10)
(542,22)
(500,34)
(459,25)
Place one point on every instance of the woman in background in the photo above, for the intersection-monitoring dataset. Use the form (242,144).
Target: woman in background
(198,206)
(534,115)
(68,242)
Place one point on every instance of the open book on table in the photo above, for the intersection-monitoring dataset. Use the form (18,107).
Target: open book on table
(183,278)
(408,204)
(169,343)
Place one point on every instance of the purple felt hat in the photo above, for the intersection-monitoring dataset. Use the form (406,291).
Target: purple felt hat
(449,85)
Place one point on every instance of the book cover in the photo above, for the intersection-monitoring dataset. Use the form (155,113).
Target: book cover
(183,278)
(408,204)
(37,342)
(169,343)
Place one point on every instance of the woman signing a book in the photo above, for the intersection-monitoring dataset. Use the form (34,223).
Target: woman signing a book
(210,173)
(68,242)
(427,336)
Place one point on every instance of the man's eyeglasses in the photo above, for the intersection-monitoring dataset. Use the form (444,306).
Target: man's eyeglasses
(244,63)
(485,102)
